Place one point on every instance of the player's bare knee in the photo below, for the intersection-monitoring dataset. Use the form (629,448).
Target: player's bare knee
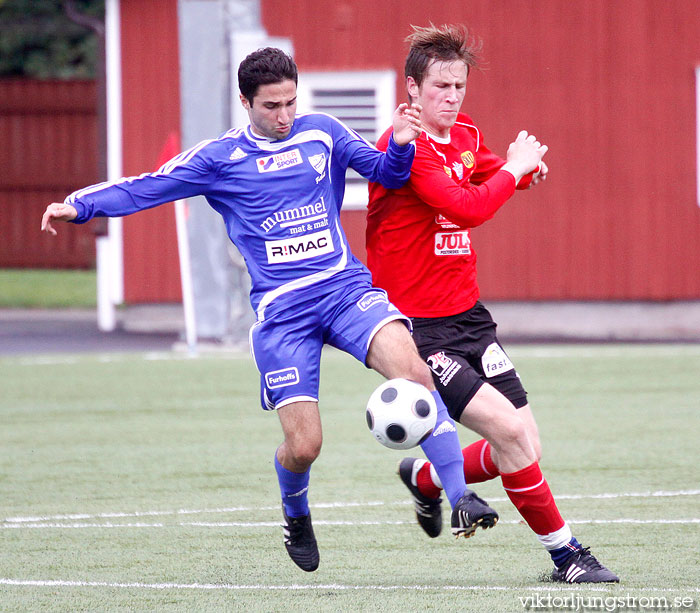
(303,450)
(511,433)
(420,373)
(305,454)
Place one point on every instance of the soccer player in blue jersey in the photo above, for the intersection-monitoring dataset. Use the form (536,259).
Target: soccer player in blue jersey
(279,185)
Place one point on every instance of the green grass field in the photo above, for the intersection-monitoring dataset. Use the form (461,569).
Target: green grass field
(47,289)
(146,483)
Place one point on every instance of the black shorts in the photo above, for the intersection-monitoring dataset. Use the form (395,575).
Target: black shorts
(463,354)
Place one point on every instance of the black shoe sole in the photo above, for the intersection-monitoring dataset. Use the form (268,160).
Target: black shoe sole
(487,521)
(308,563)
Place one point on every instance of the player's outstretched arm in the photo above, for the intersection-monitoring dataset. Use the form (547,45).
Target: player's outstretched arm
(57,211)
(407,125)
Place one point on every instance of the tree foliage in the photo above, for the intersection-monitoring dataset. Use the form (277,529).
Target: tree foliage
(38,39)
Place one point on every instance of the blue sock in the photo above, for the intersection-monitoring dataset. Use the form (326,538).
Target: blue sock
(562,554)
(294,488)
(443,450)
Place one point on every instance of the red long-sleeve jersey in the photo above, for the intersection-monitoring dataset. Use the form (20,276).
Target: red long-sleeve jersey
(418,244)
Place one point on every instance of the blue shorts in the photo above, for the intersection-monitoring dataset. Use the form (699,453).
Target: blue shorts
(286,345)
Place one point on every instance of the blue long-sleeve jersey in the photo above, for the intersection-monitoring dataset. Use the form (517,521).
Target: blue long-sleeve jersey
(280,200)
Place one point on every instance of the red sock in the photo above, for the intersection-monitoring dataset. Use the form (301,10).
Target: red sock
(478,465)
(529,492)
(425,482)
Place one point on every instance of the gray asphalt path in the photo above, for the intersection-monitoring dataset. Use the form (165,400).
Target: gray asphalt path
(160,327)
(73,331)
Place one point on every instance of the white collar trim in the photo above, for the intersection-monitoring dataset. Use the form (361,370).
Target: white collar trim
(439,139)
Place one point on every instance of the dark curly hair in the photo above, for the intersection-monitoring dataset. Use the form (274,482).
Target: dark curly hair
(263,67)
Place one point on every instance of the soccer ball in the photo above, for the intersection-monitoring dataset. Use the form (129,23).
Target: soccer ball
(401,413)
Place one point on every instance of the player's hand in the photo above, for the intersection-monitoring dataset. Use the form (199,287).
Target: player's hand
(407,124)
(57,211)
(541,174)
(524,155)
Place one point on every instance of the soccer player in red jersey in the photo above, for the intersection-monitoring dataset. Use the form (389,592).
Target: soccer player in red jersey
(419,250)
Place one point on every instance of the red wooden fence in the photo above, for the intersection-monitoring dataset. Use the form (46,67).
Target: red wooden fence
(48,148)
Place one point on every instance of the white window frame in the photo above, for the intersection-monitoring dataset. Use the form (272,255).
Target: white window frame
(384,84)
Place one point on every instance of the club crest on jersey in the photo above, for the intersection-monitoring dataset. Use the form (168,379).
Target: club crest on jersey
(279,161)
(318,162)
(468,159)
(299,247)
(452,243)
(282,378)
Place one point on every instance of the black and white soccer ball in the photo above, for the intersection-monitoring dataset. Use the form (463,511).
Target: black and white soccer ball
(401,413)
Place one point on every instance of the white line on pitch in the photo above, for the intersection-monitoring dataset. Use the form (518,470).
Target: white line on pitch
(46,525)
(276,524)
(659,494)
(109,358)
(119,514)
(321,505)
(223,524)
(328,586)
(585,350)
(607,350)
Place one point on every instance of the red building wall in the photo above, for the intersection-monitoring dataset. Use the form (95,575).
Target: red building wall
(609,86)
(48,137)
(151,112)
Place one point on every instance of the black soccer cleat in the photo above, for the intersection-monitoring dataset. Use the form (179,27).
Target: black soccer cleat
(582,567)
(469,513)
(428,511)
(300,541)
